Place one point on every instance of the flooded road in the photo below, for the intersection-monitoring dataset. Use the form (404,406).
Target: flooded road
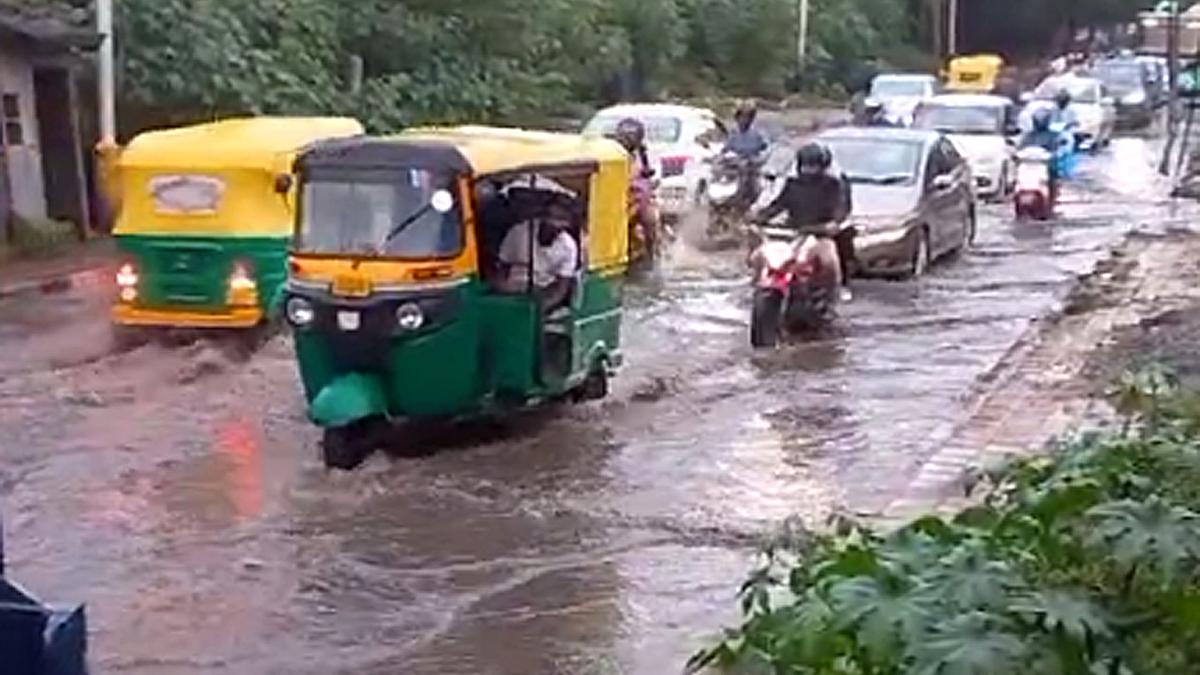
(177,490)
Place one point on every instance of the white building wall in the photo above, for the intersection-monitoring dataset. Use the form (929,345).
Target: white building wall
(24,160)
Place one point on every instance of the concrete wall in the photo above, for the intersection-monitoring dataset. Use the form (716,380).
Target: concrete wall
(24,161)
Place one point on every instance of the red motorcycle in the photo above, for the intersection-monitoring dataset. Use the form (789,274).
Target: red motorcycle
(796,283)
(1033,196)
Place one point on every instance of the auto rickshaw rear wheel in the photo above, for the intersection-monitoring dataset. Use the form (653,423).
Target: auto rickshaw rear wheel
(346,448)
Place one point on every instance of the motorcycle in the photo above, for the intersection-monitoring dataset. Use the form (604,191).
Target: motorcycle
(732,190)
(1033,197)
(796,283)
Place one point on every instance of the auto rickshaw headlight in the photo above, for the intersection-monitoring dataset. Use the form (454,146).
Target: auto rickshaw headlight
(409,316)
(299,312)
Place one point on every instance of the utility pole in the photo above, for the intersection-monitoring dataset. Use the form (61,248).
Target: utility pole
(802,39)
(1174,24)
(952,20)
(107,93)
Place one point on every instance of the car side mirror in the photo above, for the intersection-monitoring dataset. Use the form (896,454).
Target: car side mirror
(942,182)
(283,183)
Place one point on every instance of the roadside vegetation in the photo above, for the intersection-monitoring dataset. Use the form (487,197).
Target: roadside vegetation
(1085,561)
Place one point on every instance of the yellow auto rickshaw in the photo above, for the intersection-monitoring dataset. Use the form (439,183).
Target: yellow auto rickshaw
(205,219)
(976,73)
(408,298)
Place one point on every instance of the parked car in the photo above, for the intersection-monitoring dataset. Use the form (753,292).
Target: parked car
(679,139)
(900,94)
(1093,107)
(1130,86)
(980,126)
(914,200)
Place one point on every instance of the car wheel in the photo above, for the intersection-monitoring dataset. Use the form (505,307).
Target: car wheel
(921,254)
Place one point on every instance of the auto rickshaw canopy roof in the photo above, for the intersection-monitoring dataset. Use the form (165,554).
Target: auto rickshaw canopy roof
(257,143)
(481,151)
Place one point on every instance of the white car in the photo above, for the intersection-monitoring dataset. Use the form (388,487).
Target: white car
(680,139)
(1093,108)
(900,94)
(979,127)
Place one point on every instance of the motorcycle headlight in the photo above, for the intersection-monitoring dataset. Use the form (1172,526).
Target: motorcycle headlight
(299,312)
(409,316)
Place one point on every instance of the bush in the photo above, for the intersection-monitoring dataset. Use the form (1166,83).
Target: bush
(1083,562)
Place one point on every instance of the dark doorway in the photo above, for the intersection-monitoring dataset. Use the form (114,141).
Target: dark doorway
(62,160)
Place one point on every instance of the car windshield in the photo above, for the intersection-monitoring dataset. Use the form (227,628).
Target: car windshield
(1082,91)
(877,161)
(385,213)
(659,128)
(898,86)
(1122,78)
(960,119)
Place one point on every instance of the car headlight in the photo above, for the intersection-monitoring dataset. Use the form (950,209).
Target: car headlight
(299,312)
(1134,98)
(409,316)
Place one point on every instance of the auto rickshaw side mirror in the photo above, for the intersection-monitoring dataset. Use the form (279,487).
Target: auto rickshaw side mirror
(283,183)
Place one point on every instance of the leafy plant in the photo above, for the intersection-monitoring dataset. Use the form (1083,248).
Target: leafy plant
(1084,562)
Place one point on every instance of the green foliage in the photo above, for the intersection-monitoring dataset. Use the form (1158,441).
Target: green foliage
(1085,562)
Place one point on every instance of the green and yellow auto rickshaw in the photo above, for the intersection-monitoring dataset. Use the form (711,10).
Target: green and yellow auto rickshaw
(205,219)
(400,303)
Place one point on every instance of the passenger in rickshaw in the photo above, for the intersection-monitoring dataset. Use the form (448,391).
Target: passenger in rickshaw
(555,251)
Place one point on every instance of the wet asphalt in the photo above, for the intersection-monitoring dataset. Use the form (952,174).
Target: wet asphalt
(176,489)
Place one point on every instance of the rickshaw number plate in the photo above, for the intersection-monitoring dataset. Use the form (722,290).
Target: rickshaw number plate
(349,321)
(970,77)
(351,285)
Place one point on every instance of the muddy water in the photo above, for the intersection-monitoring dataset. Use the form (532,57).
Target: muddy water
(176,489)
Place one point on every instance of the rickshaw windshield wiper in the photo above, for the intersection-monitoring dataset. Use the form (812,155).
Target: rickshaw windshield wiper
(403,225)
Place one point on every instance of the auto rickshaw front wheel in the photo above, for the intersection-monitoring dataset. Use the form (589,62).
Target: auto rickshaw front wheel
(346,448)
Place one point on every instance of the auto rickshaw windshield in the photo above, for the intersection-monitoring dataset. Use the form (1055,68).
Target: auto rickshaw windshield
(391,213)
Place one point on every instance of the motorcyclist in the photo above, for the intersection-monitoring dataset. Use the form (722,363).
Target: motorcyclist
(631,134)
(750,146)
(815,199)
(875,114)
(1042,135)
(1062,112)
(747,141)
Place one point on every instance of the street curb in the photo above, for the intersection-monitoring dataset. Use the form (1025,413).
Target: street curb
(59,283)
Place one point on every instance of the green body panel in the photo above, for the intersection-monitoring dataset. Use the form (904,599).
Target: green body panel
(349,398)
(192,273)
(488,354)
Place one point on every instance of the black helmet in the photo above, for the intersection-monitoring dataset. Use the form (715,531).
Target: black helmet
(1041,119)
(630,133)
(813,156)
(1063,98)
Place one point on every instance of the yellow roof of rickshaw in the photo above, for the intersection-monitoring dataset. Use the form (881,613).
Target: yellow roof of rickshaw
(240,143)
(493,150)
(981,59)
